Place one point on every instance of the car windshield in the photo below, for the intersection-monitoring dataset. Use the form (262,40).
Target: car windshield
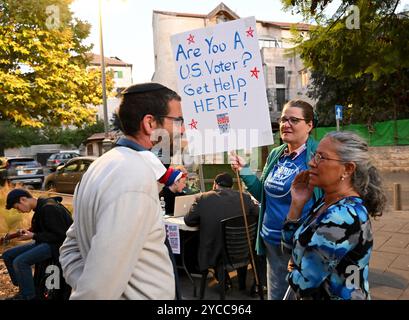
(23,162)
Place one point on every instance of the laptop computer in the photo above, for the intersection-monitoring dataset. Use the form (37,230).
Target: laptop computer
(183,204)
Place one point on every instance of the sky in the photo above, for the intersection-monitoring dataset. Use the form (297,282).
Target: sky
(127,24)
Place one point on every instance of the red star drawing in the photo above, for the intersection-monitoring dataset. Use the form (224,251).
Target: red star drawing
(254,72)
(250,32)
(191,39)
(193,124)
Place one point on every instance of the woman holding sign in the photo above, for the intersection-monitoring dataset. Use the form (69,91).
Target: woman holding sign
(272,190)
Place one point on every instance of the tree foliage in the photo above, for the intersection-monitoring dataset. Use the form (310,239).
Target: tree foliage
(73,137)
(366,100)
(43,75)
(364,68)
(12,135)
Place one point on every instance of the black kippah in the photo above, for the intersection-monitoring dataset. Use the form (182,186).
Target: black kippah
(143,87)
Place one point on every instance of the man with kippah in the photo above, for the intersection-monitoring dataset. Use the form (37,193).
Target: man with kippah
(116,248)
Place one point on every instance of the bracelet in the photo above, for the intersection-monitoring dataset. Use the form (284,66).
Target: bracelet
(292,221)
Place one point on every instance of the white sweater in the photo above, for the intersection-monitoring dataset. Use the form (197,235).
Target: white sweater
(115,247)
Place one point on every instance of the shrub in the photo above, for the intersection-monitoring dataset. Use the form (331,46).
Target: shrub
(10,220)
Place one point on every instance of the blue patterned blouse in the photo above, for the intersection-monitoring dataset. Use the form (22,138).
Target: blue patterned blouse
(331,252)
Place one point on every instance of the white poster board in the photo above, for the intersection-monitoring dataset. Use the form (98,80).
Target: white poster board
(221,82)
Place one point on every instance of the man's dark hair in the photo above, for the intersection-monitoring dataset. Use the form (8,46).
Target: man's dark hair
(143,99)
(224,180)
(14,196)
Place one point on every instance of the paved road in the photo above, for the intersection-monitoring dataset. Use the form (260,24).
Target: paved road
(389,265)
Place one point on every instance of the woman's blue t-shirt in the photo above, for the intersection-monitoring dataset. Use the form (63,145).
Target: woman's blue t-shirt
(277,189)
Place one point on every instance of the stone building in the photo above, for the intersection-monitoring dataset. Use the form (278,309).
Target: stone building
(286,77)
(122,77)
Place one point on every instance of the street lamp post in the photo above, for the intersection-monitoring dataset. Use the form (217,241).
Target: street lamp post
(106,143)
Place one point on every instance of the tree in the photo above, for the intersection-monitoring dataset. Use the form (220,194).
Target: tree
(73,136)
(43,75)
(366,68)
(115,122)
(12,135)
(370,101)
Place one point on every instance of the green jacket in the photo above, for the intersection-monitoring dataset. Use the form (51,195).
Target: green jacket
(256,186)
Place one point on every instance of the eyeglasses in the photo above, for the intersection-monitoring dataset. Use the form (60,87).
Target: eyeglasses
(179,120)
(292,120)
(318,157)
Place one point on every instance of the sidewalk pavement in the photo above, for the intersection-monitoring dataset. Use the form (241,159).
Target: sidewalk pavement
(389,264)
(388,267)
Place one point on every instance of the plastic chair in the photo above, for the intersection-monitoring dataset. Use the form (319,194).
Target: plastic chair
(236,252)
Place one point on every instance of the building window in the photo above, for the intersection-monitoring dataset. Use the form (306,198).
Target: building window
(90,149)
(269,43)
(304,78)
(118,74)
(280,75)
(221,18)
(271,98)
(280,96)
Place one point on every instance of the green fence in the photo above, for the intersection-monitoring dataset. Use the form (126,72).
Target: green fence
(388,133)
(211,170)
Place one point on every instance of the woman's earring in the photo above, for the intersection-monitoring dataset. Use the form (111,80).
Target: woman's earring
(342,178)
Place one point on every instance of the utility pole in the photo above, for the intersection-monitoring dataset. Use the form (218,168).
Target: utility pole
(106,143)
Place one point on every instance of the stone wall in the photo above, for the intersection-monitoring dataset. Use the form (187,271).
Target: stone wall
(393,163)
(391,159)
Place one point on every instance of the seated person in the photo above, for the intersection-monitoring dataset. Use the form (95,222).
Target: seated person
(175,182)
(49,224)
(191,178)
(208,210)
(191,184)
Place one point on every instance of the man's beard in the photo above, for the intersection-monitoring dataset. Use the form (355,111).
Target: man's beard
(166,145)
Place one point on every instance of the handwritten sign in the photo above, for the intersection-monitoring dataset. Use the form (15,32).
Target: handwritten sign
(220,78)
(172,233)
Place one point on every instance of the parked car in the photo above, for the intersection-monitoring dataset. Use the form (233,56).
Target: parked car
(23,170)
(60,158)
(3,170)
(3,162)
(66,177)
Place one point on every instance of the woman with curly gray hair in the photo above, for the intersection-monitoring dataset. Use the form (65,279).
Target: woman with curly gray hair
(332,246)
